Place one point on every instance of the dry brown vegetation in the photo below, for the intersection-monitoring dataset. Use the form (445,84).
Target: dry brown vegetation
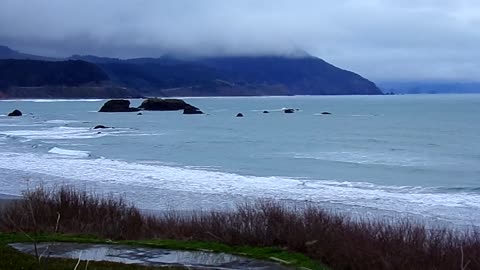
(335,240)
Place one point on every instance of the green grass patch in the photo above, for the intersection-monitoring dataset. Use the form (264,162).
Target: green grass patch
(8,256)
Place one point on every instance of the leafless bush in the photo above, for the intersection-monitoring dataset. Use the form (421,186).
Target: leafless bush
(335,240)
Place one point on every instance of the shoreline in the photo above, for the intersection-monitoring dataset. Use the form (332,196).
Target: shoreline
(355,213)
(6,199)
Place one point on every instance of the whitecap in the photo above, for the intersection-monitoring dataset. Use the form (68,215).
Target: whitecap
(68,152)
(56,133)
(67,132)
(21,125)
(61,122)
(357,157)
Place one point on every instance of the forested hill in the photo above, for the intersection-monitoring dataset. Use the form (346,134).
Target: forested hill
(177,76)
(262,75)
(56,79)
(39,73)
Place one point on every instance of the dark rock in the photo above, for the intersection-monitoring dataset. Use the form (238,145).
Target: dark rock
(266,112)
(139,113)
(100,127)
(239,114)
(118,105)
(15,113)
(192,110)
(159,104)
(326,113)
(288,110)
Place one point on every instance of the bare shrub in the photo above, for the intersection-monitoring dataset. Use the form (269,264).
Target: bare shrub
(335,240)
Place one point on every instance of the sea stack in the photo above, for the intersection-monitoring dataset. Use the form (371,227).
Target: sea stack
(118,105)
(192,110)
(168,104)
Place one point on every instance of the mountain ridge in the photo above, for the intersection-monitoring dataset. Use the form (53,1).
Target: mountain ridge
(225,76)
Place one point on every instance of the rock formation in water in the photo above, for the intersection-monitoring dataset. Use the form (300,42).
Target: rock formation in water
(15,113)
(159,104)
(192,110)
(118,105)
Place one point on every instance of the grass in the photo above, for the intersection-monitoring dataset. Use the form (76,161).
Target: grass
(261,230)
(295,260)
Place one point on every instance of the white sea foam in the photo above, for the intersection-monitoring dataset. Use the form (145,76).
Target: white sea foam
(381,158)
(68,152)
(61,122)
(20,125)
(62,133)
(458,207)
(56,133)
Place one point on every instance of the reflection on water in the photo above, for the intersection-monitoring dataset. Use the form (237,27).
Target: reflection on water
(146,256)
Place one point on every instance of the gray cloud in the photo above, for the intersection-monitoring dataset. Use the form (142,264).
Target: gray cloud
(381,39)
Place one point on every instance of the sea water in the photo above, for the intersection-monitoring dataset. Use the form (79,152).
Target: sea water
(393,156)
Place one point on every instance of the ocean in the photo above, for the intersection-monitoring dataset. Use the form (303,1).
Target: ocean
(415,156)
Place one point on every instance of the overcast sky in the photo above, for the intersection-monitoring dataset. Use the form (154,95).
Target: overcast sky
(380,39)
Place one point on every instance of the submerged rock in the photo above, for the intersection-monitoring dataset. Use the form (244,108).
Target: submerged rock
(239,114)
(289,110)
(192,110)
(118,105)
(15,113)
